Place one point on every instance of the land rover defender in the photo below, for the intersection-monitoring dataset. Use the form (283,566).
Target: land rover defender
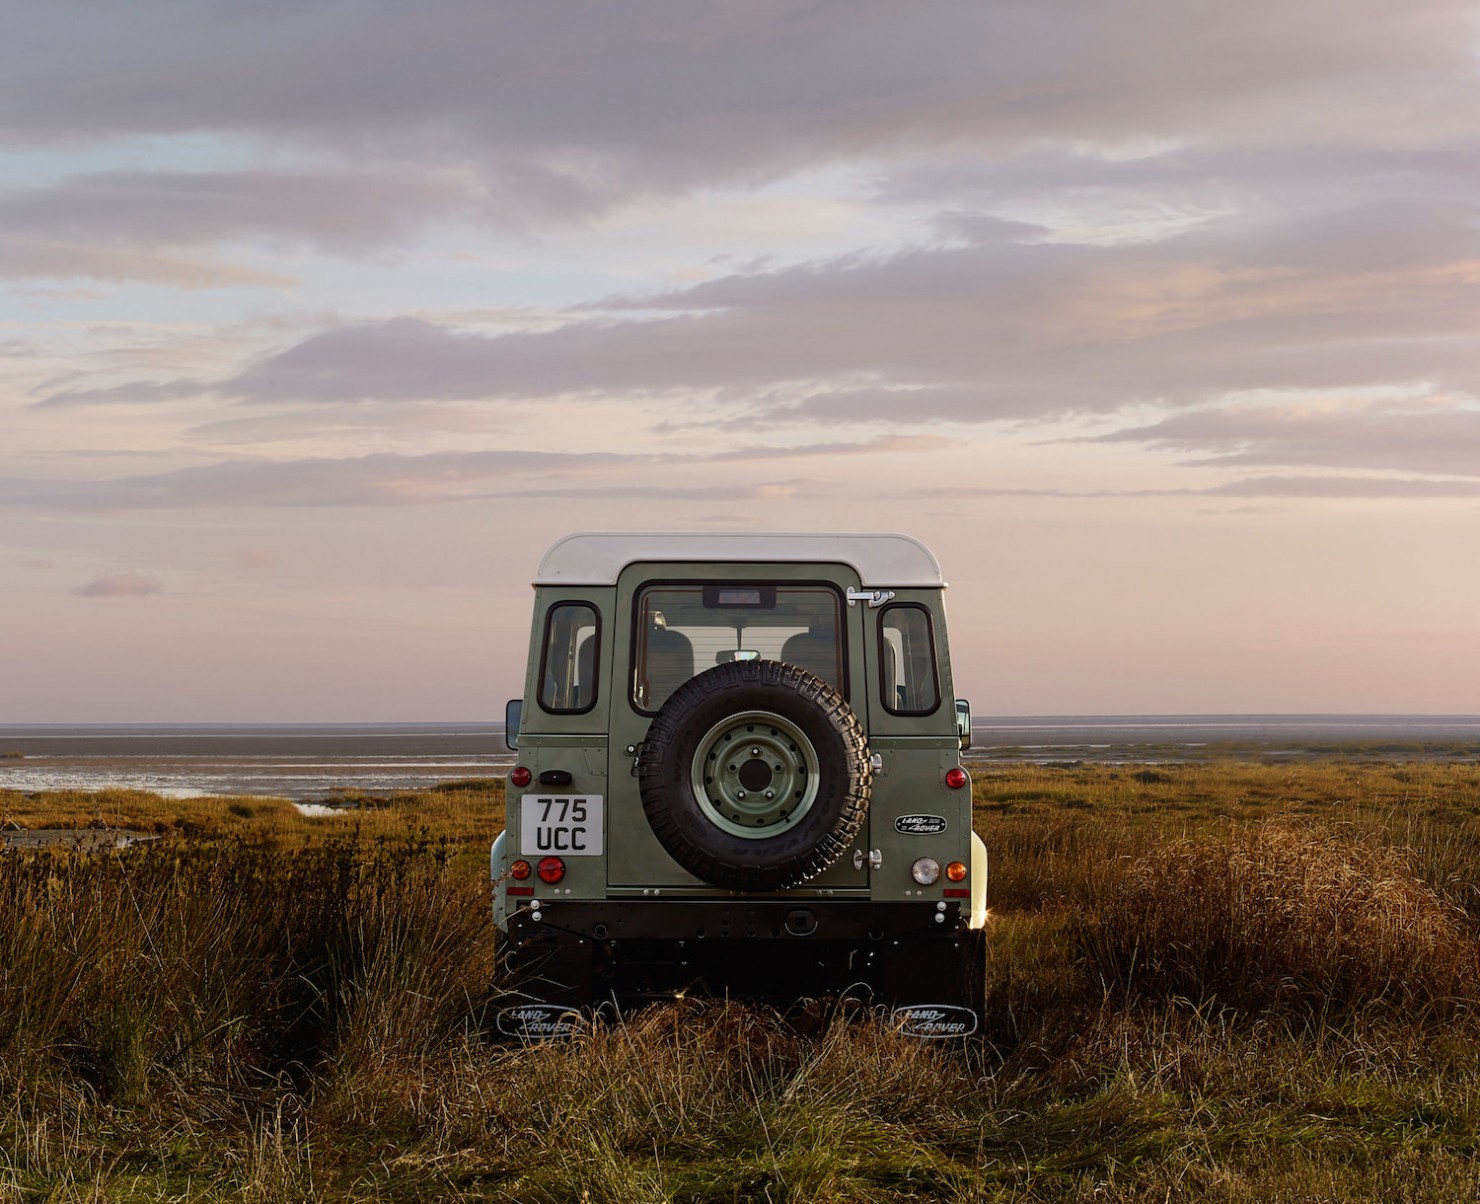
(739,772)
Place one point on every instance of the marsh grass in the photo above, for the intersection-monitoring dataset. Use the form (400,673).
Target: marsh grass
(1275,917)
(1239,982)
(184,971)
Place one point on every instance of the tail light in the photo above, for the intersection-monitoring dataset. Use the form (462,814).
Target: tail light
(551,870)
(520,776)
(956,872)
(520,870)
(956,778)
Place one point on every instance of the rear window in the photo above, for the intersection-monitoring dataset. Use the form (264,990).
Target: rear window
(568,664)
(682,629)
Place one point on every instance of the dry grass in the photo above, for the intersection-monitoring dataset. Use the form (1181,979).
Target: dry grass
(1236,982)
(464,815)
(190,972)
(1278,916)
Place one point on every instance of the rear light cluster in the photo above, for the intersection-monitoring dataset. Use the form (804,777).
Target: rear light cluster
(926,871)
(549,871)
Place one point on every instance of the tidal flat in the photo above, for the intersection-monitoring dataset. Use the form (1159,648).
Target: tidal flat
(1223,979)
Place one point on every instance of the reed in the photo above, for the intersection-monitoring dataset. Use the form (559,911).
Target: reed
(1238,982)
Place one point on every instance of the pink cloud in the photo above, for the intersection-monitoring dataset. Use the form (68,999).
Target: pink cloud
(120,585)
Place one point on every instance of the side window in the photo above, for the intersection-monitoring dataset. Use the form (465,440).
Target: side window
(568,663)
(908,681)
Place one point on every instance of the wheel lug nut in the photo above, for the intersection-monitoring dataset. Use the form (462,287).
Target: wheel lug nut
(770,794)
(740,794)
(755,752)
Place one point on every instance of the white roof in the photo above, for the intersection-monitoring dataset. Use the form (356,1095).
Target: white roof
(596,557)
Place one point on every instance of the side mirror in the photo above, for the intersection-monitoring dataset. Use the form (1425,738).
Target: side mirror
(963,722)
(512,713)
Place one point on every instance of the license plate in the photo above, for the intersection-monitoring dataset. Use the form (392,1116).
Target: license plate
(564,825)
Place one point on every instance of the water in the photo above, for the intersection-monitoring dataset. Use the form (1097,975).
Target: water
(1173,737)
(307,762)
(295,761)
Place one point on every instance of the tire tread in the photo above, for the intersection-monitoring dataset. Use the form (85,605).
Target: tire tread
(656,775)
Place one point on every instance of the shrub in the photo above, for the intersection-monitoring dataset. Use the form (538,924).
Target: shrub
(1277,916)
(217,963)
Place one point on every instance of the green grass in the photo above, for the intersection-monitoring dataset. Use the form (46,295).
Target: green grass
(1232,981)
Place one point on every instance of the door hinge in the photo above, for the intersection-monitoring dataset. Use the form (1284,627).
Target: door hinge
(874,597)
(875,859)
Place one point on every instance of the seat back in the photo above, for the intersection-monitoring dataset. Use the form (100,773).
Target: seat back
(670,663)
(816,652)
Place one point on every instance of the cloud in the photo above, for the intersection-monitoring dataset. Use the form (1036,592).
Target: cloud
(388,479)
(1345,487)
(1294,486)
(1415,435)
(120,585)
(1211,177)
(1372,295)
(129,393)
(130,225)
(167,208)
(374,480)
(575,113)
(896,405)
(28,258)
(345,210)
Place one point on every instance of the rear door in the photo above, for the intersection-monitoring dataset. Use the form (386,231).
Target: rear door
(670,625)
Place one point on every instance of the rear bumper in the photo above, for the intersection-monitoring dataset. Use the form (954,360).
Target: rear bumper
(630,952)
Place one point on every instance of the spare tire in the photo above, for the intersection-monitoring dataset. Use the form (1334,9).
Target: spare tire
(755,775)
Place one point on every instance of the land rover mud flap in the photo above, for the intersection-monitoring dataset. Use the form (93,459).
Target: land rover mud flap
(926,975)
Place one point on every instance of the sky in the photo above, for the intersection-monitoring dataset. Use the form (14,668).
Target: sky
(1157,321)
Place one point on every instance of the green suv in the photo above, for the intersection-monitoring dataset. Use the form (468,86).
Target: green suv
(739,772)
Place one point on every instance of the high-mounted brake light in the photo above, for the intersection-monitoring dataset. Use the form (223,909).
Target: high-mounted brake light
(956,871)
(551,870)
(520,870)
(520,776)
(956,778)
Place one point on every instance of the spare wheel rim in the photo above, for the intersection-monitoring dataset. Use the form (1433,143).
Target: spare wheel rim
(755,774)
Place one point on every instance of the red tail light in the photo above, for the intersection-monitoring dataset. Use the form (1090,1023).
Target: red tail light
(956,778)
(552,869)
(520,776)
